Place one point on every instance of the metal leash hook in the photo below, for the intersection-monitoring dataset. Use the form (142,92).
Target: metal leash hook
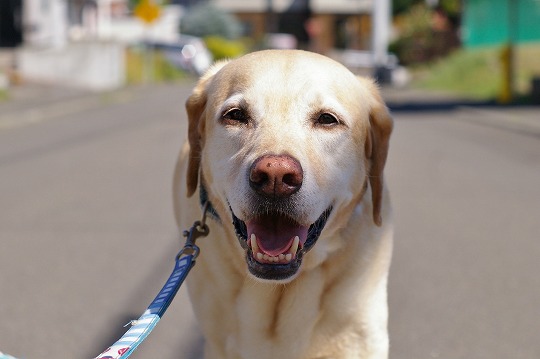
(197,230)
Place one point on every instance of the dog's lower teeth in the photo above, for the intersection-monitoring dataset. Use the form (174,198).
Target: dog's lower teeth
(281,258)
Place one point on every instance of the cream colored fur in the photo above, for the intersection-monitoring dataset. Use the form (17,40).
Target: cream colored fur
(336,306)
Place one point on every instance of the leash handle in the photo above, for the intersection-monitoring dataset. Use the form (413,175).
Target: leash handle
(141,328)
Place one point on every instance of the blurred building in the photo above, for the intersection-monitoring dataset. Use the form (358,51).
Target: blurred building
(10,23)
(320,24)
(493,22)
(53,22)
(65,42)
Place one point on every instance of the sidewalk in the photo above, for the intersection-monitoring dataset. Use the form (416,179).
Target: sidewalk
(524,119)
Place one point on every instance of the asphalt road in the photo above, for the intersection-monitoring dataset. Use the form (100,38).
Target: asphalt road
(87,235)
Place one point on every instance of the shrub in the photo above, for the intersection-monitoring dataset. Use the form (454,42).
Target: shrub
(143,66)
(222,48)
(419,42)
(207,20)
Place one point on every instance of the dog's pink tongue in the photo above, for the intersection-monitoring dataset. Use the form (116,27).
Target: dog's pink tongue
(275,234)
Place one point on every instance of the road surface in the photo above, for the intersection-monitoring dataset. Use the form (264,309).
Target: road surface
(87,235)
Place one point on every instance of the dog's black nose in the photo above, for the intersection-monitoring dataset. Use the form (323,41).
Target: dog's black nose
(276,175)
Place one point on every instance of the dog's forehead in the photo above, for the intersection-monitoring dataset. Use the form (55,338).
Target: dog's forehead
(290,73)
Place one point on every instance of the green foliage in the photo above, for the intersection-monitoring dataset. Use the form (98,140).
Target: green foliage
(451,7)
(416,20)
(416,37)
(133,3)
(222,48)
(401,6)
(207,20)
(152,66)
(477,73)
(419,42)
(471,73)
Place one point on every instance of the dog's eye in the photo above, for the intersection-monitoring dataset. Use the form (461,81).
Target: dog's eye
(327,120)
(235,116)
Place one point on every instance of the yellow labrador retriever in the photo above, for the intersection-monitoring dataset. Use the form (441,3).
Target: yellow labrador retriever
(288,148)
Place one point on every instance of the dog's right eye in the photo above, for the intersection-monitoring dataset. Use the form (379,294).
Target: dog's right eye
(235,116)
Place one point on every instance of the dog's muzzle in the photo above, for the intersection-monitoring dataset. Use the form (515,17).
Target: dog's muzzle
(274,241)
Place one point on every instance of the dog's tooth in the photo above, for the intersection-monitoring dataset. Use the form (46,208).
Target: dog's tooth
(266,257)
(260,256)
(294,247)
(254,246)
(288,257)
(281,256)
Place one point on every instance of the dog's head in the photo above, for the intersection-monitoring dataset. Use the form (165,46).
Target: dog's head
(283,141)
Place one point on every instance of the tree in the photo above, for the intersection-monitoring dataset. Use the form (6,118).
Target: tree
(207,20)
(401,6)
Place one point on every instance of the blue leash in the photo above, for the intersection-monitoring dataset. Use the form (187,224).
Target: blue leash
(141,328)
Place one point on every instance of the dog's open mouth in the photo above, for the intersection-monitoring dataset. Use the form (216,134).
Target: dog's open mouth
(275,243)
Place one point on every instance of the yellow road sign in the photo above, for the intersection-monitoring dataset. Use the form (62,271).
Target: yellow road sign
(147,11)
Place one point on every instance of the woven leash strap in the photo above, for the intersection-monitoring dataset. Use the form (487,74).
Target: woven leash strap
(141,328)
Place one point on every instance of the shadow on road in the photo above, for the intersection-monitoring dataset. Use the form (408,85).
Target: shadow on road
(110,334)
(193,350)
(418,104)
(438,106)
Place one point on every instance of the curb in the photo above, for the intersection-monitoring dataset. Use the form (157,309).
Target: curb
(524,120)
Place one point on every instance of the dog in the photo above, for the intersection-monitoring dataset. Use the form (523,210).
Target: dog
(288,148)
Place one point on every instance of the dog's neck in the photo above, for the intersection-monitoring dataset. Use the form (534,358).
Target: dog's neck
(203,199)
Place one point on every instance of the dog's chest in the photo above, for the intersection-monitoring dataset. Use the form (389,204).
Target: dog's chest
(276,321)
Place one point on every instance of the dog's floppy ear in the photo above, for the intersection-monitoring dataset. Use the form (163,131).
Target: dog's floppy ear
(196,108)
(377,142)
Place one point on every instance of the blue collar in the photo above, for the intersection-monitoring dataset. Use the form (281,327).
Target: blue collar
(203,198)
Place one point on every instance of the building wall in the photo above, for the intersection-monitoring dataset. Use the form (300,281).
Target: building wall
(319,25)
(317,6)
(494,22)
(92,65)
(45,22)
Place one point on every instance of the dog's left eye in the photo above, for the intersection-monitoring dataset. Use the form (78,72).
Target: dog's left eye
(327,120)
(235,116)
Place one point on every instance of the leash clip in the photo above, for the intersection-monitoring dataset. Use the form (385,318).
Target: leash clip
(197,230)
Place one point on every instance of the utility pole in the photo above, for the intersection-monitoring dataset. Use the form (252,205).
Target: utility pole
(270,20)
(508,53)
(381,24)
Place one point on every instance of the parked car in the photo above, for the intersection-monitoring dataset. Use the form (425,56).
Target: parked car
(186,52)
